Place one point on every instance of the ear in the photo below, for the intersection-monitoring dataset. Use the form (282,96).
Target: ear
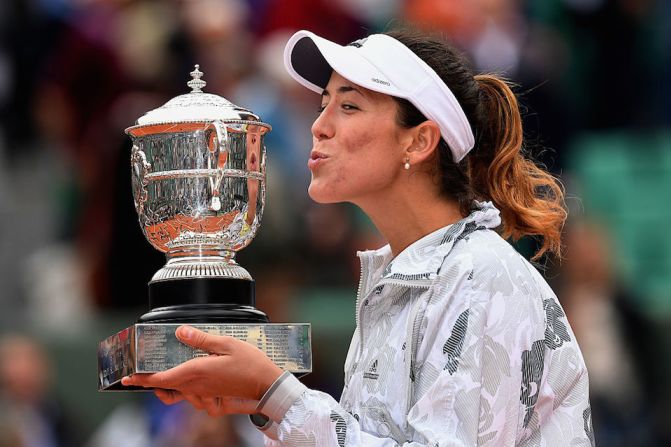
(426,137)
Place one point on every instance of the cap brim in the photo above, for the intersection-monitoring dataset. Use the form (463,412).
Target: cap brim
(311,59)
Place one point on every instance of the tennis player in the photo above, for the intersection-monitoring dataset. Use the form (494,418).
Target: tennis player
(459,341)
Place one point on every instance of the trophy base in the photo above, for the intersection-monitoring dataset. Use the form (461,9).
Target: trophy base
(153,347)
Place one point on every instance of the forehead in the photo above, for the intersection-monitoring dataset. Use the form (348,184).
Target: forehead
(338,84)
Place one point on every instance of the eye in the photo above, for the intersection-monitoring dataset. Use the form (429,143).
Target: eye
(349,107)
(321,108)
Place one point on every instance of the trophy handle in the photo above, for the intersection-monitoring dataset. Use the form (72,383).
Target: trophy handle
(141,168)
(218,156)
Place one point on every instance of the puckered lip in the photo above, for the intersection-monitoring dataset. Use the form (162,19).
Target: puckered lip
(316,155)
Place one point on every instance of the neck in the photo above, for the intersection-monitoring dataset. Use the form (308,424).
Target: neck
(409,214)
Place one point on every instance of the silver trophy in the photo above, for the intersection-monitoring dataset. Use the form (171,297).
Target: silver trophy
(198,168)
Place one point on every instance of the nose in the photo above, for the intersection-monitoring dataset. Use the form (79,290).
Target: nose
(323,127)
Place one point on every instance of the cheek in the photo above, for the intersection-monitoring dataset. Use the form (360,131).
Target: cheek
(361,142)
(365,163)
(370,160)
(360,153)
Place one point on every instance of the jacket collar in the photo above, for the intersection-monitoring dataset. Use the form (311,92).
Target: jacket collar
(421,260)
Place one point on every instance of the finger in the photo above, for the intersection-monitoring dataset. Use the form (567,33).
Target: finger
(155,380)
(144,380)
(217,344)
(168,397)
(196,401)
(179,378)
(213,406)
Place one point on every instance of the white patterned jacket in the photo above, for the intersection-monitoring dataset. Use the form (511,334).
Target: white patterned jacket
(459,341)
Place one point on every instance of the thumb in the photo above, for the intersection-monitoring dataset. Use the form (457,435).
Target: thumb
(202,340)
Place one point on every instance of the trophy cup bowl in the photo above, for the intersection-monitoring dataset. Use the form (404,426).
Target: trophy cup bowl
(198,180)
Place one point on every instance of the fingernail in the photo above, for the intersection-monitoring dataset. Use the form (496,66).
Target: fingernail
(125,380)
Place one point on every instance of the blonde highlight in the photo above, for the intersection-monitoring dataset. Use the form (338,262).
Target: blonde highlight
(530,199)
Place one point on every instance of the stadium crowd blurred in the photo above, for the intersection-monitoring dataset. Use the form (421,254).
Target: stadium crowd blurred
(594,77)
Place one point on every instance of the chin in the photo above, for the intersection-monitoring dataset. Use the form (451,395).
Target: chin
(320,195)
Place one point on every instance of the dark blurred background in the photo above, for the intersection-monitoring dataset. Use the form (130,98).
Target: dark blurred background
(594,77)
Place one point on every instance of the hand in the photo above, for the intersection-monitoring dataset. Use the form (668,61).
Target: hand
(215,406)
(233,377)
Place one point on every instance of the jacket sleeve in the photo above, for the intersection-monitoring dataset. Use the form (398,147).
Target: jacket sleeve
(315,419)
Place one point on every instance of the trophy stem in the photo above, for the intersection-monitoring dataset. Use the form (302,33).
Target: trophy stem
(202,284)
(201,262)
(199,252)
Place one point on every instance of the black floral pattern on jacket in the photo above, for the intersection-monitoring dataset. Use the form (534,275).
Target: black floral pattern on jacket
(556,331)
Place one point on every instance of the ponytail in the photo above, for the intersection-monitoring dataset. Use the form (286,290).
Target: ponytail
(530,199)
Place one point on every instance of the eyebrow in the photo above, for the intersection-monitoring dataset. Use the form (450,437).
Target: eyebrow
(343,89)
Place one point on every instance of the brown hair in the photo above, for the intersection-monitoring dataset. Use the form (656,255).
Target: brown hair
(530,199)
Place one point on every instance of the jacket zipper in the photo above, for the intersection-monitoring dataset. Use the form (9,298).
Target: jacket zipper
(359,310)
(358,293)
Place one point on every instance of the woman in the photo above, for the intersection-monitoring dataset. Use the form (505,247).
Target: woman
(459,341)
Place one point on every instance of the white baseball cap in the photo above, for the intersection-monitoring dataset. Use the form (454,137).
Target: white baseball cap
(382,64)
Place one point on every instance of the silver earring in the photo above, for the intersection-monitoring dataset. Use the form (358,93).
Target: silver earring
(406,166)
